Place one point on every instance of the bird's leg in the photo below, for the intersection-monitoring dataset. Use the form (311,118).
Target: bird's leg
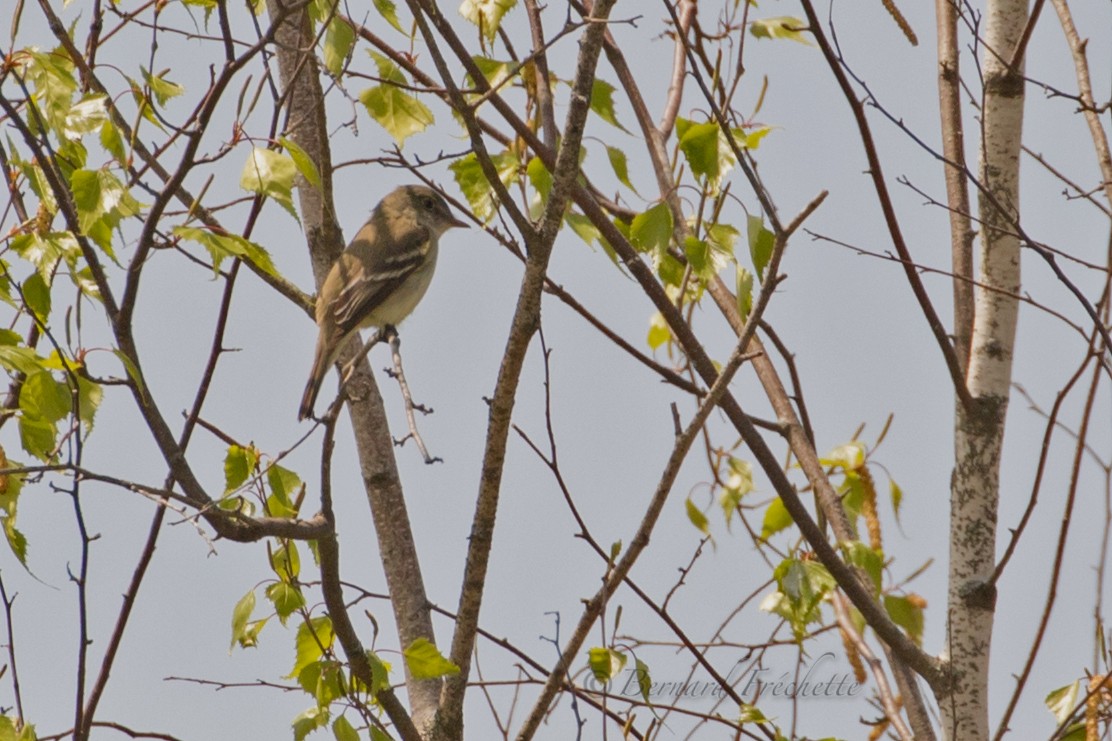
(398,373)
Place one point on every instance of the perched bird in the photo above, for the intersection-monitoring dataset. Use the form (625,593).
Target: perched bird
(381,276)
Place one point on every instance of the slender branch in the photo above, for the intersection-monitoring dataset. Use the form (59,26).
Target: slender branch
(637,544)
(525,322)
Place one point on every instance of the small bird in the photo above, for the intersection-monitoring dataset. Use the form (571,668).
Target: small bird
(381,276)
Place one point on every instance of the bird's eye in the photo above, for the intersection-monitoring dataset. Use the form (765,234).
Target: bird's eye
(428,203)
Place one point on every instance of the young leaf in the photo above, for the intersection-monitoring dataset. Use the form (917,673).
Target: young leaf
(342,729)
(286,598)
(309,721)
(426,662)
(222,246)
(339,40)
(906,612)
(644,680)
(651,231)
(395,110)
(602,102)
(162,88)
(313,639)
(781,27)
(605,663)
(286,562)
(474,184)
(241,614)
(776,519)
(269,173)
(36,295)
(698,519)
(239,462)
(302,161)
(761,242)
(389,13)
(659,331)
(486,14)
(620,166)
(744,291)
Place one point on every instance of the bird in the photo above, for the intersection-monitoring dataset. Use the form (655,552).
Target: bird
(380,277)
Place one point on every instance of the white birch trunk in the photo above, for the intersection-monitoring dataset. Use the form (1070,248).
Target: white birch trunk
(978,437)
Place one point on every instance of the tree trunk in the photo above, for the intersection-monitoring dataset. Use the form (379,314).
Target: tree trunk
(979,428)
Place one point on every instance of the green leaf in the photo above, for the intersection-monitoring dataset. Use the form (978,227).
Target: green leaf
(706,150)
(495,71)
(313,639)
(112,142)
(286,598)
(400,113)
(302,161)
(602,102)
(803,585)
(380,673)
(476,188)
(89,396)
(651,231)
(270,174)
(743,287)
(36,295)
(751,714)
(45,251)
(776,519)
(486,14)
(425,662)
(698,519)
(761,243)
(605,663)
(324,681)
(342,730)
(86,116)
(389,13)
(752,140)
(699,144)
(223,246)
(620,166)
(644,680)
(722,238)
(239,462)
(309,721)
(339,40)
(541,180)
(286,562)
(583,227)
(284,486)
(848,457)
(739,483)
(131,369)
(162,88)
(781,27)
(17,541)
(895,493)
(906,612)
(241,614)
(659,331)
(865,558)
(43,397)
(37,437)
(1063,701)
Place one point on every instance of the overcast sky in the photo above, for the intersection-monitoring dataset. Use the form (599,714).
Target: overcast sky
(863,350)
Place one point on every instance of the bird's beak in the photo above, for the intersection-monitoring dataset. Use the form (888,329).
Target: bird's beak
(459,222)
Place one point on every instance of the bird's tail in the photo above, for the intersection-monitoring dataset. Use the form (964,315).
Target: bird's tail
(320,368)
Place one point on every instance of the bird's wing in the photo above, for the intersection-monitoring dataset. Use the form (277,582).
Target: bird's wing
(377,275)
